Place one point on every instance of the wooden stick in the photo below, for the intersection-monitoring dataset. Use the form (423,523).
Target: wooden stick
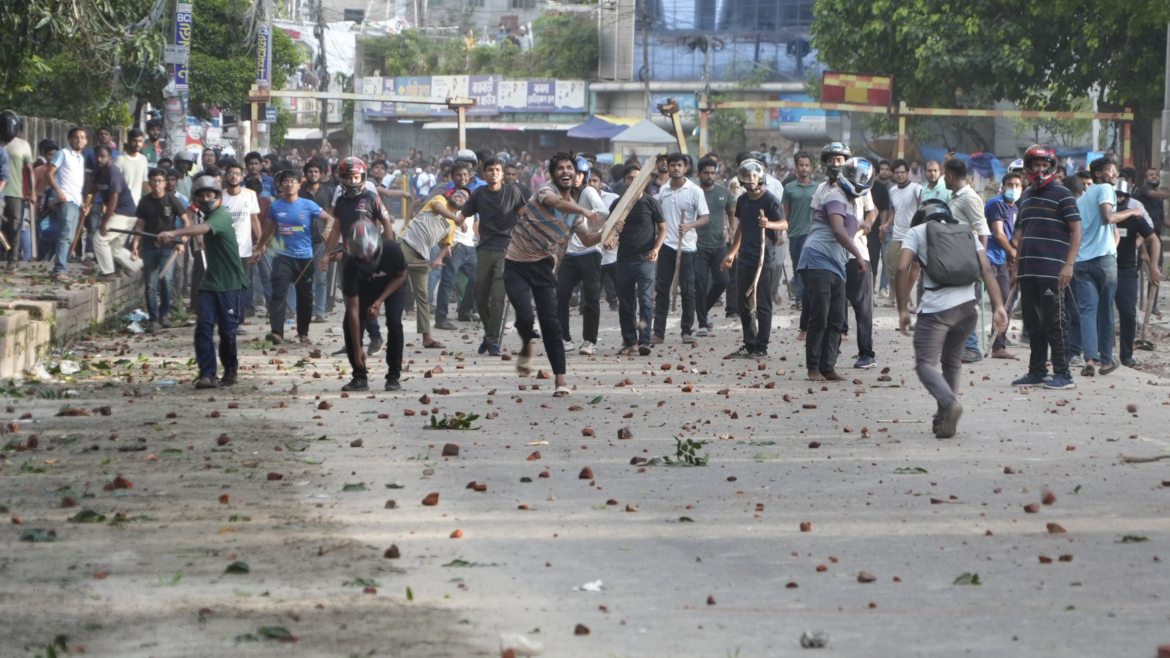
(677,260)
(622,209)
(1140,460)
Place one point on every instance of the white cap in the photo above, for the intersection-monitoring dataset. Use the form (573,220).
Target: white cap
(418,170)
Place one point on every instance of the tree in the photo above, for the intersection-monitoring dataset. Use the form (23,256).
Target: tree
(970,55)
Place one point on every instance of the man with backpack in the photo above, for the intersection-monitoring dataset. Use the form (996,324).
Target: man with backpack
(952,261)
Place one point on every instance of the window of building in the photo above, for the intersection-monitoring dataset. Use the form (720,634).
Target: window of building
(523,4)
(475,3)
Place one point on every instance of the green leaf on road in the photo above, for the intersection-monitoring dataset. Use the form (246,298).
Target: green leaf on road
(354,487)
(596,400)
(409,594)
(238,567)
(38,535)
(361,582)
(910,471)
(87,516)
(169,582)
(1133,539)
(968,579)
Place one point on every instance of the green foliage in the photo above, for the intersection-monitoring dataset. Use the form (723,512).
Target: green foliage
(1068,132)
(459,421)
(566,48)
(727,127)
(686,453)
(968,579)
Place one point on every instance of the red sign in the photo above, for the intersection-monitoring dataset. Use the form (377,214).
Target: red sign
(857,88)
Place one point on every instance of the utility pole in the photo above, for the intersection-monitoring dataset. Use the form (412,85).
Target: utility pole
(646,55)
(1165,150)
(322,72)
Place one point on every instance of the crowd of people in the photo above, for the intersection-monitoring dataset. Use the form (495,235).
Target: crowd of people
(494,233)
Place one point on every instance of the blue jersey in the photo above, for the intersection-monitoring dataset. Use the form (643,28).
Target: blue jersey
(294,223)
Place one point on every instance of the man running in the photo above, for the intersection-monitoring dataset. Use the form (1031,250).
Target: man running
(582,266)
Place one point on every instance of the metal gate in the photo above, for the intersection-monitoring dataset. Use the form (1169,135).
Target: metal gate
(398,138)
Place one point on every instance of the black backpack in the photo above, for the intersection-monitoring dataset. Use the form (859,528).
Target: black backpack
(952,259)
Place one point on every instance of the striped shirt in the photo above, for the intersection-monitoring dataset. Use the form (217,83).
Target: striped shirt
(1044,225)
(541,230)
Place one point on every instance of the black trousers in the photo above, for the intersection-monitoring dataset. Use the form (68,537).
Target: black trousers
(394,306)
(528,283)
(686,287)
(755,333)
(609,282)
(859,292)
(288,271)
(585,270)
(710,280)
(1126,300)
(1044,307)
(826,301)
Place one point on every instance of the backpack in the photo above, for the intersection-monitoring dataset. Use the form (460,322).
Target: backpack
(952,257)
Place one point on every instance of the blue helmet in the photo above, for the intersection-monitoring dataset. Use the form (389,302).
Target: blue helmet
(582,168)
(856,176)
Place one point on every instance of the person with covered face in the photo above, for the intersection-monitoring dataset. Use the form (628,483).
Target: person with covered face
(373,274)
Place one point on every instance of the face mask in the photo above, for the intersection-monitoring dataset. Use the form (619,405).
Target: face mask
(1011,195)
(208,205)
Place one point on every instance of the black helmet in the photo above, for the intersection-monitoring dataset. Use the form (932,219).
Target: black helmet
(932,209)
(202,184)
(834,148)
(10,125)
(364,244)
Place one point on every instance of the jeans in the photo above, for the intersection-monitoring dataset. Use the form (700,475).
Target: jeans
(710,280)
(585,270)
(1096,285)
(433,276)
(1043,305)
(1127,299)
(153,260)
(463,259)
(288,271)
(859,292)
(529,283)
(795,248)
(489,293)
(1003,278)
(226,310)
(111,247)
(757,332)
(973,340)
(826,300)
(260,275)
(686,286)
(67,214)
(92,221)
(635,280)
(939,338)
(882,250)
(394,306)
(418,276)
(320,281)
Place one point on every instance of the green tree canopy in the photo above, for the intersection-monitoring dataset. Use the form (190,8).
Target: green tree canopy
(1040,55)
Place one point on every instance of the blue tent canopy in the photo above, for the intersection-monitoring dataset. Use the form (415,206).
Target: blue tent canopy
(596,128)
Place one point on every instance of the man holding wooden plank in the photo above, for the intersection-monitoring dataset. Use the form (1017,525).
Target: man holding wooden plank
(685,209)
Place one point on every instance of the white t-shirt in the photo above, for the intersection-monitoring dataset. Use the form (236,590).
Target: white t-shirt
(592,200)
(134,169)
(424,182)
(683,205)
(936,301)
(242,206)
(904,202)
(608,256)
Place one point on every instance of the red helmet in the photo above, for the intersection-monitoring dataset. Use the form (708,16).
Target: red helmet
(1040,151)
(347,168)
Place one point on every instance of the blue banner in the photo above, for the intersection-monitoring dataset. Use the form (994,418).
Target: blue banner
(183,17)
(264,56)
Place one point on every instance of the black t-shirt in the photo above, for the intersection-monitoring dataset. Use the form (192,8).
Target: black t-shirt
(110,181)
(1153,206)
(1130,228)
(497,214)
(349,210)
(356,282)
(158,215)
(323,198)
(881,200)
(747,212)
(641,231)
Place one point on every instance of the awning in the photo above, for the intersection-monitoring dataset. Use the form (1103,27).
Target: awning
(644,132)
(300,134)
(491,125)
(602,127)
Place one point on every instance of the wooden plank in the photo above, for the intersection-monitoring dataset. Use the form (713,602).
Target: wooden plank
(632,194)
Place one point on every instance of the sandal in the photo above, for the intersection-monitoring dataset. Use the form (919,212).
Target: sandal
(435,346)
(1004,354)
(524,365)
(562,392)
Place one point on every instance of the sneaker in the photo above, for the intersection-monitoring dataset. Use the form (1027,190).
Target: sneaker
(357,384)
(741,353)
(206,382)
(275,339)
(166,323)
(759,354)
(643,350)
(613,306)
(688,339)
(393,385)
(375,345)
(152,328)
(446,325)
(655,339)
(865,362)
(1030,380)
(701,333)
(1059,383)
(493,350)
(483,347)
(569,345)
(339,352)
(971,356)
(732,315)
(949,423)
(1105,370)
(228,379)
(241,330)
(1077,361)
(587,348)
(318,319)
